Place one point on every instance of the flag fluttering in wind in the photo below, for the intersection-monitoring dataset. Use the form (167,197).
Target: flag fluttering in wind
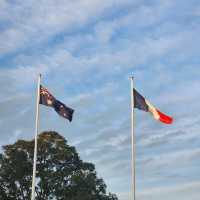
(141,103)
(47,99)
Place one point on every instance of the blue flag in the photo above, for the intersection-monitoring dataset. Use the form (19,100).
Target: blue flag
(47,99)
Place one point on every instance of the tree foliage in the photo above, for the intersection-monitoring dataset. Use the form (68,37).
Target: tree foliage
(61,174)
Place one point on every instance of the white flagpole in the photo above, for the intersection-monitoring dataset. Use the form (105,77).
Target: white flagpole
(36,134)
(133,154)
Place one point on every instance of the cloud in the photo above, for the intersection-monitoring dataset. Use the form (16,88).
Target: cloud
(181,191)
(48,19)
(168,160)
(85,51)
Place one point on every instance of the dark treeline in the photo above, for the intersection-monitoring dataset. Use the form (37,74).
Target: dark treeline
(61,174)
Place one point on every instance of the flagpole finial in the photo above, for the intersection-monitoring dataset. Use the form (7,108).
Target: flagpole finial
(131,77)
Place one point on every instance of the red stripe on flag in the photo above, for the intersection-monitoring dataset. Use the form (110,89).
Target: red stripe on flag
(164,118)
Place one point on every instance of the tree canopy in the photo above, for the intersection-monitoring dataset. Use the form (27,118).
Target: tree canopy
(61,174)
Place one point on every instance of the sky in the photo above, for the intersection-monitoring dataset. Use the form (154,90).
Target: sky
(86,50)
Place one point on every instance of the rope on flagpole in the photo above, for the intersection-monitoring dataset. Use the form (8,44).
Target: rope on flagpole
(36,134)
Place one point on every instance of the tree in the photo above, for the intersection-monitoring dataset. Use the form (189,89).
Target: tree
(61,174)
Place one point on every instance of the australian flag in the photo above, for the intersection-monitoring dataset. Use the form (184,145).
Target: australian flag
(47,99)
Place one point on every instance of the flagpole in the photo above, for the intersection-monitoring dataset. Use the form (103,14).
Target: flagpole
(133,153)
(36,134)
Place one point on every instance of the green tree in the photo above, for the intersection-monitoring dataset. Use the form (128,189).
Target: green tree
(61,174)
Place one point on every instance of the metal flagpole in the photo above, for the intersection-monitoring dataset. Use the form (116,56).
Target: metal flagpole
(133,154)
(36,134)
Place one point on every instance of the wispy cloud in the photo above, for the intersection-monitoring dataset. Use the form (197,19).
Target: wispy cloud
(86,51)
(182,191)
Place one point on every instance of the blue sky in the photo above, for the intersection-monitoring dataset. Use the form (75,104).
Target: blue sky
(86,50)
